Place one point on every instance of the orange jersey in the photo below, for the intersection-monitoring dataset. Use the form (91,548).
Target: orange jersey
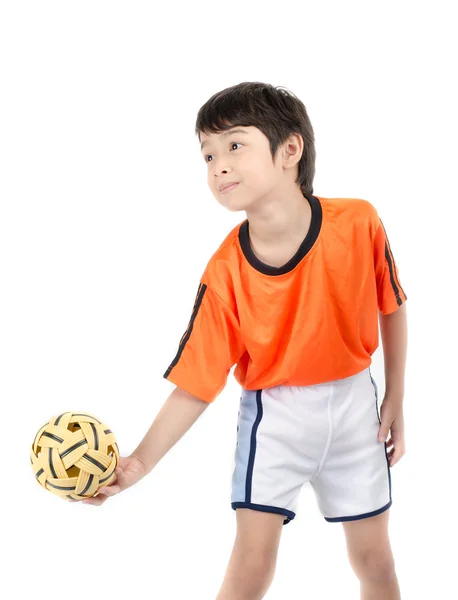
(315,319)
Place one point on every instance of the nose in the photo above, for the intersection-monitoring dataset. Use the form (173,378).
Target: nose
(221,171)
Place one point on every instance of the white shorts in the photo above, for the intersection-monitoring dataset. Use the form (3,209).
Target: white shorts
(325,434)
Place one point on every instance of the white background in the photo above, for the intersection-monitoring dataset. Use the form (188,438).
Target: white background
(107,223)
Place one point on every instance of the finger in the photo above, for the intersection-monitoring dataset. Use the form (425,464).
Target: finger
(102,494)
(119,474)
(110,490)
(94,501)
(394,457)
(114,484)
(399,449)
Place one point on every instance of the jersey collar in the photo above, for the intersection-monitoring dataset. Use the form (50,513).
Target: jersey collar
(306,245)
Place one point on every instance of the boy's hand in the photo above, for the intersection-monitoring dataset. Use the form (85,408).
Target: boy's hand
(392,417)
(129,471)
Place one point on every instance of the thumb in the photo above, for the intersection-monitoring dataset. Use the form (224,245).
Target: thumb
(108,490)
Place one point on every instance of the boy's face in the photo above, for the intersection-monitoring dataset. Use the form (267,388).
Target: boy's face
(242,155)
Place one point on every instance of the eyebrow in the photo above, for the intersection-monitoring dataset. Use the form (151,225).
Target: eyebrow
(225,134)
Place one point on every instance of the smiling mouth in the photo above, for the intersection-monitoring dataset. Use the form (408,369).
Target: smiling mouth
(229,188)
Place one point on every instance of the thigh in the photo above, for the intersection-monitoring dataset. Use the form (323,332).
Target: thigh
(354,480)
(258,534)
(253,560)
(366,537)
(368,547)
(280,435)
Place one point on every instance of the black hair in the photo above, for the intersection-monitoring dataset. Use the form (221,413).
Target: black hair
(277,112)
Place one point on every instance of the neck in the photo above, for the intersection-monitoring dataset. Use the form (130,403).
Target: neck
(280,219)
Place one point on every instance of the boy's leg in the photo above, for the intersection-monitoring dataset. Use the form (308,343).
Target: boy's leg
(353,483)
(253,560)
(371,558)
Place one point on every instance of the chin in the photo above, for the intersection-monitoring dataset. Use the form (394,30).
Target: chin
(235,204)
(235,208)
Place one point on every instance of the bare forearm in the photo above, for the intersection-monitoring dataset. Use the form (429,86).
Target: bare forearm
(393,328)
(178,413)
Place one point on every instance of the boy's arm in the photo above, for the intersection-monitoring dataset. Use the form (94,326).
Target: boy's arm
(394,339)
(178,413)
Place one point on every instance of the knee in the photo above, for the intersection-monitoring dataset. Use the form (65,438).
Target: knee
(260,564)
(374,565)
(257,570)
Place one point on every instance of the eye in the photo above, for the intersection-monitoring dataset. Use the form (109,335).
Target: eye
(232,144)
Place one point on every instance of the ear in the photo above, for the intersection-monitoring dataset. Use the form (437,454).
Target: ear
(292,150)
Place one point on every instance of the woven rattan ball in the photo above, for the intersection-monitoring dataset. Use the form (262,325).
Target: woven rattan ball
(73,455)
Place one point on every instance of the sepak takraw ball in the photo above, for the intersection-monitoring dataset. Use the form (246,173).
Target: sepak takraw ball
(73,455)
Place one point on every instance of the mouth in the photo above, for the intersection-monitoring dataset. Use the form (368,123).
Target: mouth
(229,188)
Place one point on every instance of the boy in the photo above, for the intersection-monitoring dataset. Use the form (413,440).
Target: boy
(292,297)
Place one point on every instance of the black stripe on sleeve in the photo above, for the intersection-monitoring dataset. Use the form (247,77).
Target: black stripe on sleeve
(200,294)
(391,263)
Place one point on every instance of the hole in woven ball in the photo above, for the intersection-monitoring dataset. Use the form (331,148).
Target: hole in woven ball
(73,471)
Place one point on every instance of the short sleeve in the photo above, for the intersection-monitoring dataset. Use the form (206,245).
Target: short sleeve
(209,348)
(390,294)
